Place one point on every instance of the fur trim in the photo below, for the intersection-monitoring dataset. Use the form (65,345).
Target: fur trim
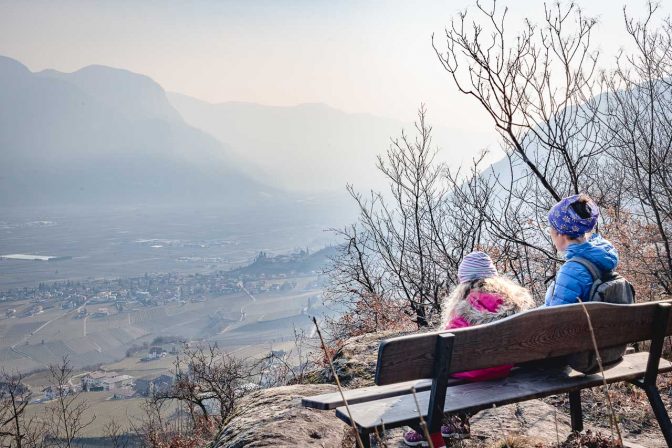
(514,300)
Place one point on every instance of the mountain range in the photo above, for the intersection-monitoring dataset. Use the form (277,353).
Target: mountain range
(308,147)
(106,136)
(102,135)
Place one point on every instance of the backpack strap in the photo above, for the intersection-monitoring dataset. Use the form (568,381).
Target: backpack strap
(594,272)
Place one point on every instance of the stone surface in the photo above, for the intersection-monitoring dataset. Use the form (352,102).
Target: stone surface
(275,417)
(355,362)
(536,420)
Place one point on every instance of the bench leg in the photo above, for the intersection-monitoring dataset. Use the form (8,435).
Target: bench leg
(366,439)
(437,397)
(661,413)
(575,411)
(649,382)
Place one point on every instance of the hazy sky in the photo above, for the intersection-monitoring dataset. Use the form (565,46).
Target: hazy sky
(358,56)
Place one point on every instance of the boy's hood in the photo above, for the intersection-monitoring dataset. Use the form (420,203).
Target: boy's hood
(597,250)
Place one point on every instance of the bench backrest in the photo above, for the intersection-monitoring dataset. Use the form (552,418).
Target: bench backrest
(530,336)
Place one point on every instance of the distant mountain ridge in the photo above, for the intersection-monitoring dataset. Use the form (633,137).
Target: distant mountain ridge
(141,97)
(308,147)
(312,146)
(102,135)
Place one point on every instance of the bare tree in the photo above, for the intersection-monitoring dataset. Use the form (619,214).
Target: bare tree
(637,123)
(205,375)
(153,429)
(544,95)
(358,288)
(17,429)
(566,127)
(208,384)
(282,368)
(546,99)
(14,397)
(533,86)
(398,230)
(116,434)
(407,244)
(69,413)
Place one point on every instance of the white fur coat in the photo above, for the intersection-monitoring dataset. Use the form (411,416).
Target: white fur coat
(514,300)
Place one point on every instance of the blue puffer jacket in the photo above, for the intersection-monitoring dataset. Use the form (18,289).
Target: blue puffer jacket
(573,280)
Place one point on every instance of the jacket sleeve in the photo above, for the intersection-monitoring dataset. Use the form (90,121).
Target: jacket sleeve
(572,282)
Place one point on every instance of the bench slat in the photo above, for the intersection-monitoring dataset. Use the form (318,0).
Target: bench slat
(534,335)
(334,400)
(523,384)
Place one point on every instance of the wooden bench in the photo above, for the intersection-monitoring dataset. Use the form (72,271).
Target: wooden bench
(426,361)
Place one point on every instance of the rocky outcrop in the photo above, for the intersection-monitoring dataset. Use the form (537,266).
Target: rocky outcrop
(355,362)
(532,424)
(275,417)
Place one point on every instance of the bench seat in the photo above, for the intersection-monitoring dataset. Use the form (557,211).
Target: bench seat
(522,384)
(333,400)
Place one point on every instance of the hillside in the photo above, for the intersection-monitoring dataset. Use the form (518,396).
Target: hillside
(304,147)
(301,262)
(106,136)
(311,147)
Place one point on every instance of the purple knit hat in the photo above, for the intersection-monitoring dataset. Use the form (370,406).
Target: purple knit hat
(476,265)
(566,221)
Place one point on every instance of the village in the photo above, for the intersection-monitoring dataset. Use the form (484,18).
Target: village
(157,288)
(119,385)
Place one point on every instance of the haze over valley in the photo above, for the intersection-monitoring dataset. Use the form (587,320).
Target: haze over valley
(137,223)
(125,229)
(212,210)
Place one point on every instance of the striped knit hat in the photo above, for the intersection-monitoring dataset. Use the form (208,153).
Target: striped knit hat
(476,265)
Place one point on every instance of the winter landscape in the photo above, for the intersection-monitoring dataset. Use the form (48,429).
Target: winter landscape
(229,224)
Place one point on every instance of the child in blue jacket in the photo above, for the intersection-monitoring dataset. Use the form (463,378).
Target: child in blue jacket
(571,220)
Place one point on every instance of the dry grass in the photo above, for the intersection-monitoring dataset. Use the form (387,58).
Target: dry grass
(631,406)
(590,440)
(575,440)
(338,383)
(517,441)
